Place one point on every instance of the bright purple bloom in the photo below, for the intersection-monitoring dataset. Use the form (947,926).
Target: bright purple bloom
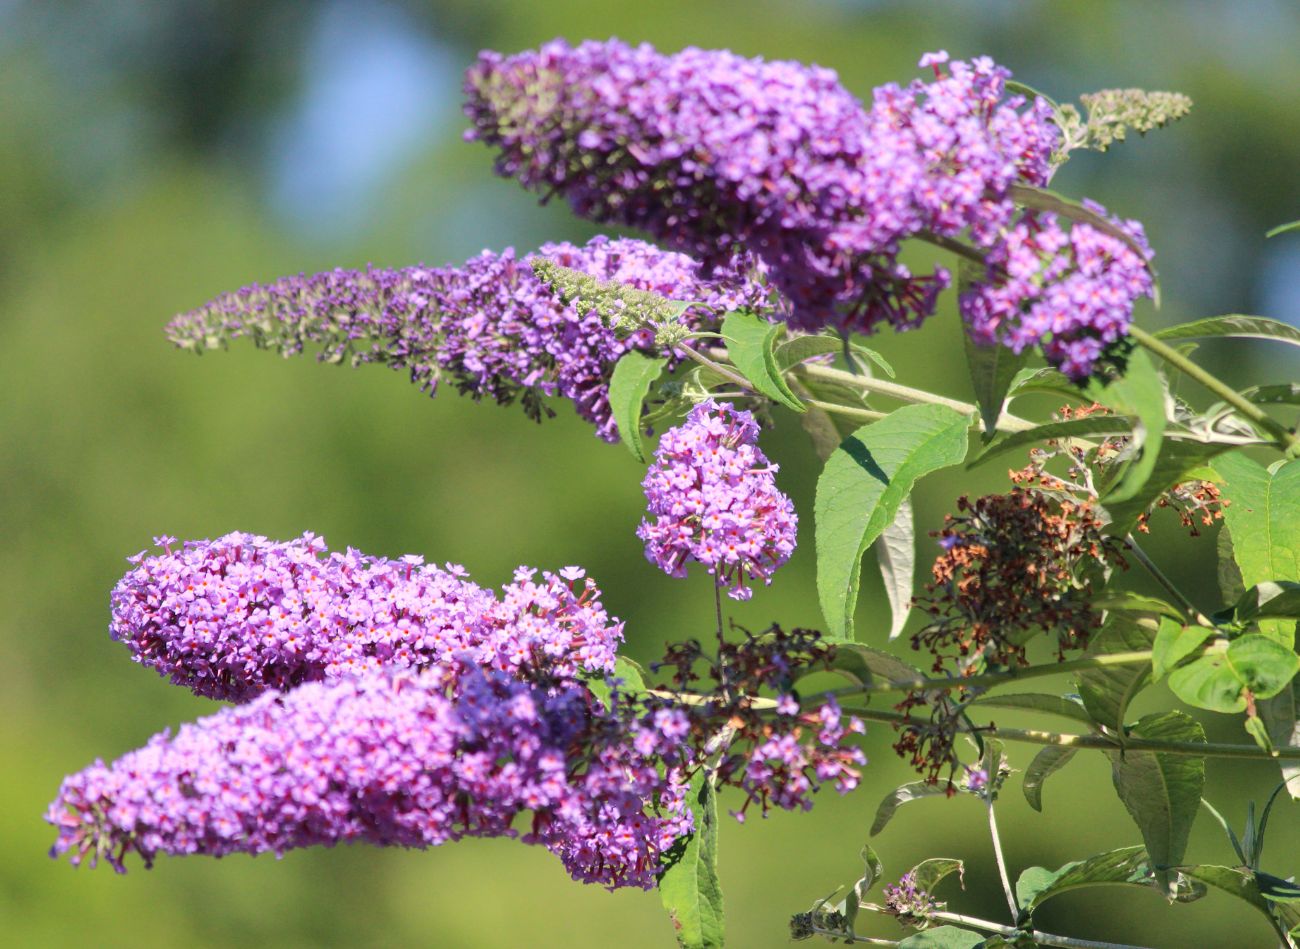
(393,759)
(712,497)
(707,150)
(1069,292)
(234,617)
(489,327)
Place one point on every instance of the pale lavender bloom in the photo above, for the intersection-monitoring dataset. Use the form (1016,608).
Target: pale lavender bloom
(489,327)
(234,617)
(707,150)
(392,759)
(1069,292)
(712,497)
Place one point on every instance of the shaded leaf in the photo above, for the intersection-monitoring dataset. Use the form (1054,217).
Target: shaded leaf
(864,665)
(1041,199)
(1270,600)
(1283,228)
(634,373)
(1139,393)
(1107,690)
(929,873)
(1129,602)
(1046,763)
(942,937)
(902,795)
(861,488)
(1233,325)
(689,887)
(1162,792)
(750,343)
(1127,865)
(1286,393)
(1070,428)
(1044,379)
(992,367)
(1037,701)
(896,556)
(1175,463)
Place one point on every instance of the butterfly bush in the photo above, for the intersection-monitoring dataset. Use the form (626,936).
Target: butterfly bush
(712,497)
(395,759)
(489,327)
(707,150)
(234,617)
(1069,291)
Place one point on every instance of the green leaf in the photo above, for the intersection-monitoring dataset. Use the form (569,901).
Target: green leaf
(896,555)
(1233,325)
(1283,228)
(874,868)
(863,665)
(1264,506)
(1279,715)
(634,373)
(1286,393)
(750,344)
(927,874)
(1044,379)
(1070,428)
(942,937)
(1046,763)
(1162,792)
(1174,643)
(1277,889)
(826,431)
(1218,681)
(1139,393)
(1126,601)
(802,348)
(1040,199)
(625,669)
(902,795)
(992,367)
(1107,690)
(689,887)
(1128,865)
(861,488)
(1039,702)
(1241,883)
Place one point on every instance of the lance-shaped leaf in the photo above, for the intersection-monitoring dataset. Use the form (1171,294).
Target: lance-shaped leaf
(992,366)
(1044,379)
(802,348)
(1284,393)
(1128,865)
(928,874)
(1107,690)
(1264,507)
(943,937)
(1038,702)
(689,887)
(1283,228)
(1178,460)
(1139,393)
(865,665)
(1240,882)
(896,555)
(1071,428)
(864,483)
(1040,199)
(634,373)
(1046,763)
(1278,599)
(751,341)
(1233,325)
(896,798)
(1161,791)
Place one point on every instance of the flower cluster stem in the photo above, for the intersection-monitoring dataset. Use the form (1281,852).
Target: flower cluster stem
(1001,861)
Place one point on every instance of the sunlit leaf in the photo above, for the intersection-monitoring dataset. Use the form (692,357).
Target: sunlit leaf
(896,555)
(751,341)
(634,373)
(689,887)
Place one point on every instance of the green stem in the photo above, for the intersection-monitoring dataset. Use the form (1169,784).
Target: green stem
(867,415)
(1188,606)
(990,679)
(1001,861)
(720,369)
(1209,749)
(1283,437)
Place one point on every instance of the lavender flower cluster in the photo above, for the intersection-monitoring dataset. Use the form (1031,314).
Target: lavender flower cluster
(1071,293)
(708,151)
(713,498)
(490,327)
(235,617)
(395,758)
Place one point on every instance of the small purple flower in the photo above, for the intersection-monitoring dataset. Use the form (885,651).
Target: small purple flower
(489,327)
(239,615)
(392,759)
(713,498)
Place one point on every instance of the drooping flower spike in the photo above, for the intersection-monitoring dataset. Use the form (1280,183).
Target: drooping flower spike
(490,327)
(707,150)
(712,497)
(240,615)
(393,759)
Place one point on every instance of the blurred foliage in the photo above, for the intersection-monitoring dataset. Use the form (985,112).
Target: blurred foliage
(134,141)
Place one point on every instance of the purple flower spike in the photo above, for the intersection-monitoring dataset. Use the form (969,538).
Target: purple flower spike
(1071,293)
(707,150)
(234,617)
(490,327)
(392,759)
(713,498)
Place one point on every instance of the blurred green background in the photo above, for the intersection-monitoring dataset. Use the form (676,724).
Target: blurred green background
(155,154)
